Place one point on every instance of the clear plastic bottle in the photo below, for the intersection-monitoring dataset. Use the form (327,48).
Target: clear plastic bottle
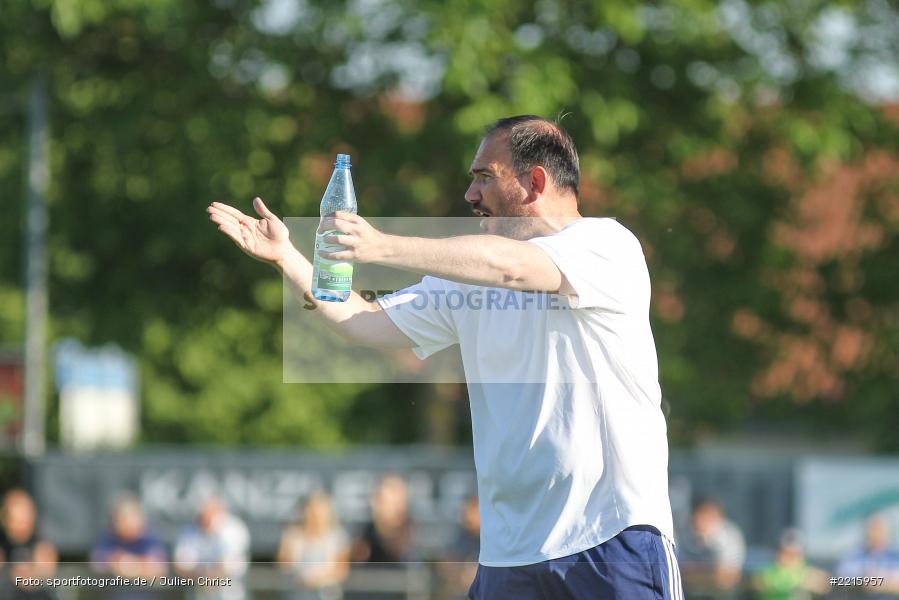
(332,280)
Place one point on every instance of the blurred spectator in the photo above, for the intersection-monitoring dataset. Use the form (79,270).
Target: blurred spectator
(712,555)
(216,547)
(316,551)
(460,563)
(876,559)
(790,577)
(390,536)
(130,550)
(23,553)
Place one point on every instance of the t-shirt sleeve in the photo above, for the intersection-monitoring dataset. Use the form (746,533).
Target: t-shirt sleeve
(603,262)
(847,567)
(235,548)
(731,550)
(421,312)
(186,551)
(341,542)
(100,552)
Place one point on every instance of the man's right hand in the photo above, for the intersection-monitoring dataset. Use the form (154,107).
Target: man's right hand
(266,239)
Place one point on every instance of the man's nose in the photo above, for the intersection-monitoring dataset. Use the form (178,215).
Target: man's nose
(472,195)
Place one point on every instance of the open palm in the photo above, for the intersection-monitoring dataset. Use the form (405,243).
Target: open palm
(266,239)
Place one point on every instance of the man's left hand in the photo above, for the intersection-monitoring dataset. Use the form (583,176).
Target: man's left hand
(361,241)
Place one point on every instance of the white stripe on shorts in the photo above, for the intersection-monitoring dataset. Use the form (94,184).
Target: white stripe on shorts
(670,568)
(679,585)
(674,583)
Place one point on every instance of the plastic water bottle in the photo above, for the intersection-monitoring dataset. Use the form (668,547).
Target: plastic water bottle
(332,280)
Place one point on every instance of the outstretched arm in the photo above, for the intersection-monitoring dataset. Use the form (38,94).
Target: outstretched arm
(488,260)
(267,240)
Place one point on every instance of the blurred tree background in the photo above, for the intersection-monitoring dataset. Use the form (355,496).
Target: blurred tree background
(752,146)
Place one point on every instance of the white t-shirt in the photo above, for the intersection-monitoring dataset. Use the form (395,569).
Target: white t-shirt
(312,555)
(226,549)
(570,442)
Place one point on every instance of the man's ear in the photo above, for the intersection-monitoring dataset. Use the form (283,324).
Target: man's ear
(539,180)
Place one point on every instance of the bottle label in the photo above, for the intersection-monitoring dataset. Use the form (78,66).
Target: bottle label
(334,275)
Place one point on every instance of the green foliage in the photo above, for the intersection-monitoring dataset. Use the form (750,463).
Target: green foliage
(703,126)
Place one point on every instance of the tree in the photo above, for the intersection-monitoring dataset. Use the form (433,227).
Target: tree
(759,172)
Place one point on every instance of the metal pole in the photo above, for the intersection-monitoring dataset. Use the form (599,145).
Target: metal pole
(36,268)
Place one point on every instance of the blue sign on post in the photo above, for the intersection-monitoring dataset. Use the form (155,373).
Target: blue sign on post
(98,390)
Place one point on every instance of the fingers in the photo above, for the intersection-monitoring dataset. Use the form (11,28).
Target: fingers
(327,224)
(262,210)
(225,209)
(347,253)
(233,232)
(219,217)
(230,227)
(342,255)
(336,223)
(228,220)
(342,240)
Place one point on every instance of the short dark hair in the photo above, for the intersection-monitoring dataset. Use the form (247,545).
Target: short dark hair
(703,502)
(535,141)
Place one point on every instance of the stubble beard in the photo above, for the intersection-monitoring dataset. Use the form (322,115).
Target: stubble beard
(522,225)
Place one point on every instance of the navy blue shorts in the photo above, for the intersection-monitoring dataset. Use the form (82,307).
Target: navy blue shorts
(636,564)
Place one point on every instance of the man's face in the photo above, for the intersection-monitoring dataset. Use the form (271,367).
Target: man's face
(128,523)
(706,521)
(877,534)
(496,190)
(317,516)
(390,501)
(211,513)
(19,517)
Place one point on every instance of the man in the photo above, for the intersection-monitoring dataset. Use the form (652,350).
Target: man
(130,550)
(569,439)
(790,577)
(315,551)
(713,554)
(24,555)
(214,553)
(389,537)
(876,559)
(460,561)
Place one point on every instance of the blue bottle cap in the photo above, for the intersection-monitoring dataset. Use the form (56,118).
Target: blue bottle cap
(343,161)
